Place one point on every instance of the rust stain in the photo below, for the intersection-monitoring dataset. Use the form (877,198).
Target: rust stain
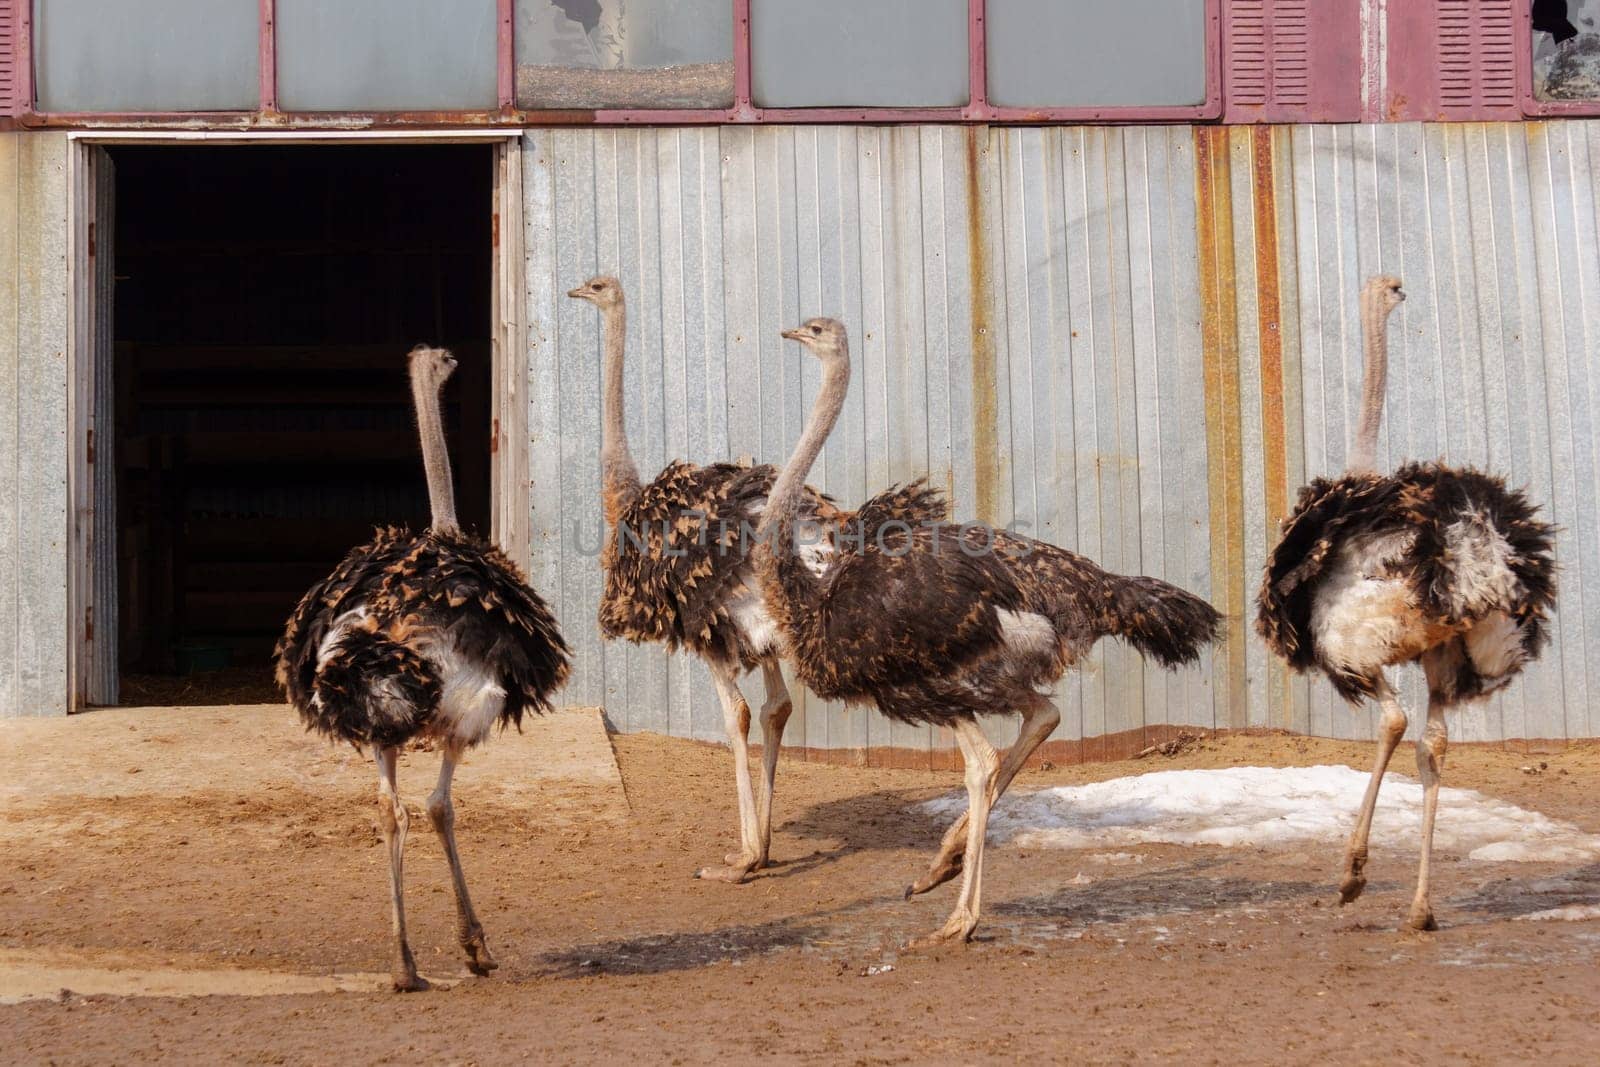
(985,392)
(1224,452)
(1269,328)
(1269,315)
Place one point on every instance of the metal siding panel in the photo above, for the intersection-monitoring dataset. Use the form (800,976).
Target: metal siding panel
(1190,503)
(545,568)
(1551,188)
(1057,521)
(41,419)
(580,180)
(10,439)
(1251,432)
(1151,385)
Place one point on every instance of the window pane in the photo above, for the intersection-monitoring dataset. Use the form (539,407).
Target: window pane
(1566,49)
(387,55)
(147,55)
(624,53)
(1097,53)
(859,53)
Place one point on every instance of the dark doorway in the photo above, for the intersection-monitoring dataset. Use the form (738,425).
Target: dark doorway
(265,300)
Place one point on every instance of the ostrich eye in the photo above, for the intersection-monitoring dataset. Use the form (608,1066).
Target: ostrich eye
(597,287)
(816,331)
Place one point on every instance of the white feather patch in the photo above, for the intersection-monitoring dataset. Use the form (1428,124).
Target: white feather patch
(1026,633)
(1362,620)
(1494,645)
(1480,559)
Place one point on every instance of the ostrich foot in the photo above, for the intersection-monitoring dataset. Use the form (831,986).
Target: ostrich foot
(737,859)
(479,961)
(1355,879)
(957,929)
(944,868)
(736,871)
(410,981)
(1421,917)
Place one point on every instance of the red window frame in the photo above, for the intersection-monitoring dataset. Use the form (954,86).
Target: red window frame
(1531,104)
(977,109)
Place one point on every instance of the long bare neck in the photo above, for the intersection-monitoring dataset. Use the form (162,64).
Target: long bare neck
(1374,380)
(435,455)
(620,476)
(783,503)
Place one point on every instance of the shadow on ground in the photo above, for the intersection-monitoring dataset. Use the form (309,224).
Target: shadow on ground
(1147,896)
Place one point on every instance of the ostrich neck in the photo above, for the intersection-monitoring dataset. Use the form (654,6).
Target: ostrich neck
(435,454)
(783,503)
(1374,380)
(616,462)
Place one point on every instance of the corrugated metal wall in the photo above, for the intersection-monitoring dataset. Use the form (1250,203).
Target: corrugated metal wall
(1137,341)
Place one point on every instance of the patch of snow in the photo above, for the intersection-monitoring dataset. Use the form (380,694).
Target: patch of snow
(1572,913)
(1271,807)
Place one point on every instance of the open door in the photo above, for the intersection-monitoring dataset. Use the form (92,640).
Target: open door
(92,580)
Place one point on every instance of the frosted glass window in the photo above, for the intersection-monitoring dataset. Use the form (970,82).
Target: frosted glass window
(1566,49)
(1097,53)
(147,55)
(859,53)
(387,55)
(624,54)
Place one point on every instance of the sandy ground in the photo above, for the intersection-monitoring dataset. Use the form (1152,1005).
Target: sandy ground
(153,856)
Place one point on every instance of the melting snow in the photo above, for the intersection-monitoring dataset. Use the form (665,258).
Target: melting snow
(1572,913)
(1272,807)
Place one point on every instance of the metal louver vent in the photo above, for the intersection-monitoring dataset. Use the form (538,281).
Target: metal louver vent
(11,102)
(1477,59)
(1269,65)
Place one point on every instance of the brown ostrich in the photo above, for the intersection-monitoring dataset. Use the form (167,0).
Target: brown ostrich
(677,572)
(939,623)
(1442,565)
(433,635)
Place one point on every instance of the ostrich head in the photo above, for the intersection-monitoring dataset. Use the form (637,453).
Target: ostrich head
(824,338)
(1384,291)
(603,291)
(431,367)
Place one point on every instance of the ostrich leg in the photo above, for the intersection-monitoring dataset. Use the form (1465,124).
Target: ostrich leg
(442,814)
(1037,723)
(394,820)
(982,766)
(1430,767)
(775,712)
(1393,728)
(736,719)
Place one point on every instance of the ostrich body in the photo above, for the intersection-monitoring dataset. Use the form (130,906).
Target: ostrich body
(677,571)
(1437,564)
(939,624)
(433,635)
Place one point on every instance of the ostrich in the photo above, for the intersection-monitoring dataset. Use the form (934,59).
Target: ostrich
(433,635)
(940,623)
(676,572)
(1432,563)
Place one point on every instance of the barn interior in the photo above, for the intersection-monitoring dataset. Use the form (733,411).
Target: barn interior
(265,300)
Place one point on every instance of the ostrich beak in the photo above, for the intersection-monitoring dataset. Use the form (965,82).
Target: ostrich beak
(576,293)
(796,334)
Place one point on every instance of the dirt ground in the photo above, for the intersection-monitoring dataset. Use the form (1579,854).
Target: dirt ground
(224,872)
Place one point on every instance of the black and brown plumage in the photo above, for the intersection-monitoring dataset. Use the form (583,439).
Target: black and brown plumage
(422,635)
(677,571)
(940,623)
(1434,564)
